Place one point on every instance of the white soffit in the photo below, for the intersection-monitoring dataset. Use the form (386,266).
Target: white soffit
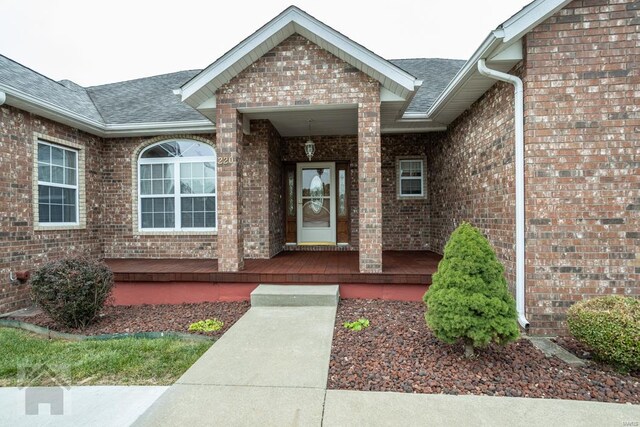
(502,50)
(293,20)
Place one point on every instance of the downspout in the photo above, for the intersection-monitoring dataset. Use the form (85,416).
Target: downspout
(520,217)
(3,98)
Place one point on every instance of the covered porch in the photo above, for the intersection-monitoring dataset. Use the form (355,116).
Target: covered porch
(406,276)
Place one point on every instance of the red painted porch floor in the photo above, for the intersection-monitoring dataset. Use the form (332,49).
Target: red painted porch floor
(398,267)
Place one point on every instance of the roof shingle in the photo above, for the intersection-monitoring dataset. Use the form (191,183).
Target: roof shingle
(151,99)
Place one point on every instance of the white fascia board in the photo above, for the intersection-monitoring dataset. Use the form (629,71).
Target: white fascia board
(467,70)
(50,111)
(293,17)
(58,114)
(357,51)
(530,16)
(290,108)
(499,40)
(425,129)
(227,60)
(158,128)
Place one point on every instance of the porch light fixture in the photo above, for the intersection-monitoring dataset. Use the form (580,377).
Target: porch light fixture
(309,146)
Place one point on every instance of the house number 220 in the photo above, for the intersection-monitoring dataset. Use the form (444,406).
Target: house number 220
(226,160)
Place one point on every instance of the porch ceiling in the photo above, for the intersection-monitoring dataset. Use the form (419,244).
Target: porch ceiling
(339,120)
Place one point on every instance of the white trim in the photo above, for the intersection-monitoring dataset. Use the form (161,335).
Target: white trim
(290,21)
(158,128)
(400,178)
(177,195)
(62,115)
(527,18)
(511,31)
(467,70)
(293,20)
(75,187)
(316,233)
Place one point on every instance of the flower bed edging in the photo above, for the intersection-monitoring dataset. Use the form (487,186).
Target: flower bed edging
(77,337)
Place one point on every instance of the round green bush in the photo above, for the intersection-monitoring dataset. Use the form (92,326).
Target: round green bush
(469,299)
(610,327)
(72,291)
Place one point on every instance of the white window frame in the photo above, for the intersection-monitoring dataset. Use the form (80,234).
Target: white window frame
(401,178)
(53,184)
(177,195)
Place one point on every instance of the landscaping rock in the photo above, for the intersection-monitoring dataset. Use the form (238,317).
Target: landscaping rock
(152,318)
(399,353)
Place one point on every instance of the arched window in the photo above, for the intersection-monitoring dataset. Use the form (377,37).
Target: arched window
(177,187)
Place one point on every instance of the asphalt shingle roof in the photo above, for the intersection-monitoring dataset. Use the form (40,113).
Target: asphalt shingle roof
(436,73)
(74,98)
(151,99)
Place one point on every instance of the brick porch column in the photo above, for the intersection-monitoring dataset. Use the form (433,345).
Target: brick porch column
(370,184)
(228,144)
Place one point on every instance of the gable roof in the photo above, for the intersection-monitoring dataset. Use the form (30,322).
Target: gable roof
(293,20)
(147,106)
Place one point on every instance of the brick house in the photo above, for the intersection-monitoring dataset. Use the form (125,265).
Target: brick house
(301,156)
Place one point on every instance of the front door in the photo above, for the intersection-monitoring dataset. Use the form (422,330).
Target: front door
(316,203)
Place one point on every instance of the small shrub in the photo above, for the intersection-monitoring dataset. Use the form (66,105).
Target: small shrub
(610,326)
(72,291)
(469,299)
(358,325)
(209,325)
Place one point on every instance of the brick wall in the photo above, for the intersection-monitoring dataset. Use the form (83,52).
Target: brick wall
(119,214)
(582,86)
(332,149)
(405,222)
(298,72)
(471,175)
(276,192)
(22,248)
(262,191)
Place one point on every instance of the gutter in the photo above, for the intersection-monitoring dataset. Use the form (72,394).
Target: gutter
(56,113)
(520,214)
(488,46)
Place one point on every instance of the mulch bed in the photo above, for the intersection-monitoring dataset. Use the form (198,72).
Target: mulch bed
(399,353)
(152,318)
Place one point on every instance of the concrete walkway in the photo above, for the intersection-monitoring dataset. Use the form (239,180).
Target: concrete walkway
(99,406)
(365,408)
(269,369)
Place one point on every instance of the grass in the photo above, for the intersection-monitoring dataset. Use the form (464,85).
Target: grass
(124,361)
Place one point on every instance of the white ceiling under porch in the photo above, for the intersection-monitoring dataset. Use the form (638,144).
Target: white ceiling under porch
(294,121)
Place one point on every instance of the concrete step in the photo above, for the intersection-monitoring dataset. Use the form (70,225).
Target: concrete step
(295,296)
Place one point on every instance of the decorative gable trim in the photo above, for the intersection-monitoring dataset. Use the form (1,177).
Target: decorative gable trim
(203,86)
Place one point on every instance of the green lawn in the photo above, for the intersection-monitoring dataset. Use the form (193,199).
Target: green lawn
(124,361)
